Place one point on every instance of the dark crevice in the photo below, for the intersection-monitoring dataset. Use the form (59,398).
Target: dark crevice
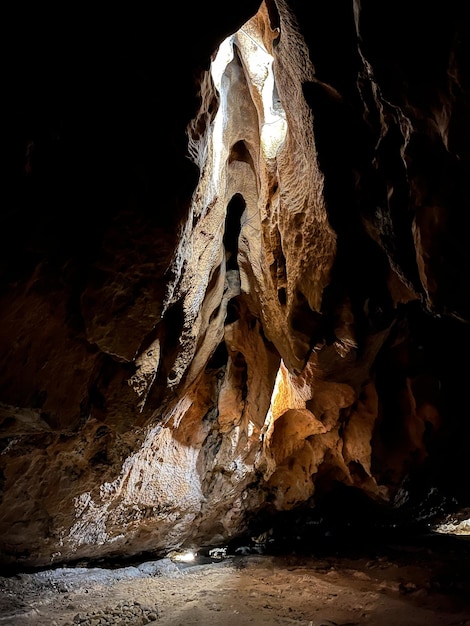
(235,210)
(219,358)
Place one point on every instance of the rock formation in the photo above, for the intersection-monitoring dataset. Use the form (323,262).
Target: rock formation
(234,270)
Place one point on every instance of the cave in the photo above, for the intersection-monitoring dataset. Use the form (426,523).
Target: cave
(235,308)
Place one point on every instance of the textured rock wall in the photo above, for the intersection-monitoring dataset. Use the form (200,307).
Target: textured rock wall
(227,288)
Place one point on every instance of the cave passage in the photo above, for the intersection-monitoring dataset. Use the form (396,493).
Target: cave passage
(262,360)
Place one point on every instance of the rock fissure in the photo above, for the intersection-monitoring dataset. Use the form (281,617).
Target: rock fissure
(246,303)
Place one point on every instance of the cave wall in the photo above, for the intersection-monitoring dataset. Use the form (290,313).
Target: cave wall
(178,355)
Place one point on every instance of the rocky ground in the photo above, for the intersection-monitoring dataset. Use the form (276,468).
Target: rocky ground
(401,585)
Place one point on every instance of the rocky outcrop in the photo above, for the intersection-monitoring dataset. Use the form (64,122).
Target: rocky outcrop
(232,278)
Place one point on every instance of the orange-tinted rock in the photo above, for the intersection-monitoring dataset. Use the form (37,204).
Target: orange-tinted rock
(227,288)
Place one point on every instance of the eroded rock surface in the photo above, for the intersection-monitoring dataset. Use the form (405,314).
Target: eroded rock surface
(232,282)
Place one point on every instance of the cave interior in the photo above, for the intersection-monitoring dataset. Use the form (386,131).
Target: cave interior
(234,280)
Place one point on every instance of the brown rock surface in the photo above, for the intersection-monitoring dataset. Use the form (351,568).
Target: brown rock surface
(231,278)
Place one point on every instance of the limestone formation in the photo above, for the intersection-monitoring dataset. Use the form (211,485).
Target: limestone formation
(234,276)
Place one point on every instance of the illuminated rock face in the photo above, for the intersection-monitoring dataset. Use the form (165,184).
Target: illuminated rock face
(203,339)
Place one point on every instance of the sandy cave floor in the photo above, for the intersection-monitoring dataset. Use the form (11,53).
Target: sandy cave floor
(399,586)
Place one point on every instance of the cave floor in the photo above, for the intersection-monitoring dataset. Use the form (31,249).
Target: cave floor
(398,585)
